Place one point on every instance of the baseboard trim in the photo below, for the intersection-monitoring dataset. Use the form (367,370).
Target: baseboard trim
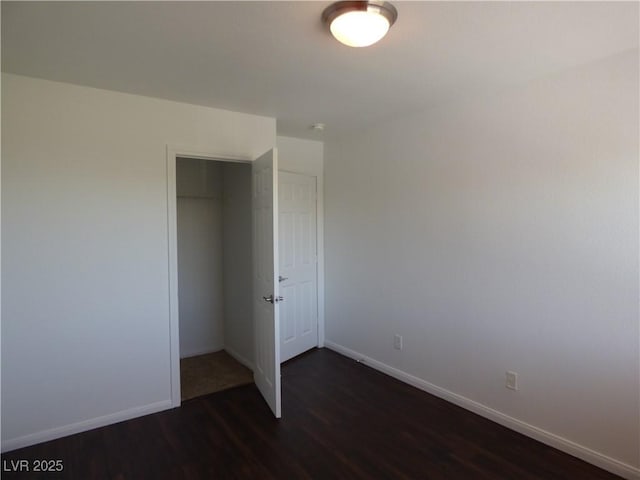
(83,426)
(603,461)
(239,358)
(204,351)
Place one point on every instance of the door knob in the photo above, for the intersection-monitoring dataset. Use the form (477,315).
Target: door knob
(282,279)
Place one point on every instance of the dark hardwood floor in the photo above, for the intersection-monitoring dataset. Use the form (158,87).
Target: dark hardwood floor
(340,419)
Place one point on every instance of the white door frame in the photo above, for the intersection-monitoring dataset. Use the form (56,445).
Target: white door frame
(173,153)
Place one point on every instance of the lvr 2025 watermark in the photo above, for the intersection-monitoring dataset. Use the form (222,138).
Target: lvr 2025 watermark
(32,466)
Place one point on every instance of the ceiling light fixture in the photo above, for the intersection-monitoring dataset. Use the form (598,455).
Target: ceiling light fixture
(359,23)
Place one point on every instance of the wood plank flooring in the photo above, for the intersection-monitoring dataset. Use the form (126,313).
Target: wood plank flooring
(341,420)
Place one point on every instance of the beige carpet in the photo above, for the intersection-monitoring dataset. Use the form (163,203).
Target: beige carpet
(211,373)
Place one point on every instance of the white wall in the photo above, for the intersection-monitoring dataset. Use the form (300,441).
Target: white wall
(307,157)
(200,275)
(85,311)
(298,155)
(237,265)
(501,235)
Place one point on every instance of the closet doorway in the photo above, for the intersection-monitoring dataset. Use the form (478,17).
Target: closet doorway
(214,250)
(224,206)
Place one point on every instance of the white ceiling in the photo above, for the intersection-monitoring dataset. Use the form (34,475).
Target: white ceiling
(275,58)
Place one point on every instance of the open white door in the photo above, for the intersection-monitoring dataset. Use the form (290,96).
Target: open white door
(266,295)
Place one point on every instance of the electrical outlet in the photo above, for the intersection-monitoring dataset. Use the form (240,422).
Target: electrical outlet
(511,381)
(397,342)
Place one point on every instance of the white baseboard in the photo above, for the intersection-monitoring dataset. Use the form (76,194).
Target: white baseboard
(239,358)
(204,351)
(610,464)
(83,426)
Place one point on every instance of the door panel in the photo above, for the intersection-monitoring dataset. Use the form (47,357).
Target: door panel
(265,279)
(298,264)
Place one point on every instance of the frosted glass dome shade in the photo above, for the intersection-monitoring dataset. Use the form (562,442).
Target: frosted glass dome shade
(359,24)
(359,29)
